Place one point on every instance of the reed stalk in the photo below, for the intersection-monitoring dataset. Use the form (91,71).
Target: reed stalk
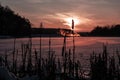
(14,50)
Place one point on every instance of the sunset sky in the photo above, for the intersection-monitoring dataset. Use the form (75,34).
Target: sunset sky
(59,13)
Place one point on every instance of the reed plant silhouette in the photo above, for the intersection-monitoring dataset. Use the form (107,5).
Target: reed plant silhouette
(103,66)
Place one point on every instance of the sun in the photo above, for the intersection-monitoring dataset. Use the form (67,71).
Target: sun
(68,21)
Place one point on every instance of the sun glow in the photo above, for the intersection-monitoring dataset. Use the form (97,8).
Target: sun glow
(68,21)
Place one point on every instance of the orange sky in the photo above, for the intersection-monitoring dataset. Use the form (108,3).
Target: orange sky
(57,13)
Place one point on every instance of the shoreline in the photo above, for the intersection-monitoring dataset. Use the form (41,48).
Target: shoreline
(44,36)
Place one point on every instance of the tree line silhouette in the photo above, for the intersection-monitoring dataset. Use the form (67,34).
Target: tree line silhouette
(13,24)
(46,32)
(113,30)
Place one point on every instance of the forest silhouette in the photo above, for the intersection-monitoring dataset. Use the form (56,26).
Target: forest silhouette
(13,24)
(113,30)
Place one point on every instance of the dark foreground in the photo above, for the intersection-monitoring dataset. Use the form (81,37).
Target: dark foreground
(31,65)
